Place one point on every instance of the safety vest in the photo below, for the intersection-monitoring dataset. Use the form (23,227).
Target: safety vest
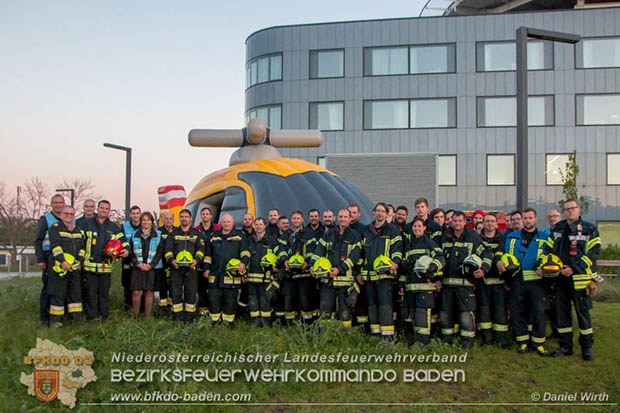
(153,245)
(51,220)
(529,256)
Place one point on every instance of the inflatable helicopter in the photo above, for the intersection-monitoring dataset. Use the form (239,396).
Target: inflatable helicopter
(259,178)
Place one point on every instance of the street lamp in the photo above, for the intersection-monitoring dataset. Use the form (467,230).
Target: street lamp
(71,191)
(127,174)
(523,33)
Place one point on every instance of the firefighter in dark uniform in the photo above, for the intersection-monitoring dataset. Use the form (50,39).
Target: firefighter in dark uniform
(247,228)
(381,246)
(313,232)
(433,229)
(339,289)
(527,297)
(491,296)
(207,228)
(97,265)
(43,252)
(263,263)
(273,225)
(461,245)
(67,257)
(578,244)
(424,261)
(89,207)
(184,251)
(361,308)
(402,318)
(297,288)
(129,228)
(162,269)
(228,255)
(281,251)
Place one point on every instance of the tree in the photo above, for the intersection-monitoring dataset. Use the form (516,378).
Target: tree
(83,189)
(569,184)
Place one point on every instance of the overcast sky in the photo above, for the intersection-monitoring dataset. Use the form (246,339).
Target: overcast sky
(76,74)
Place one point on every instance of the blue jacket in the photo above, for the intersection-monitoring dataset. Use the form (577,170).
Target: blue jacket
(528,257)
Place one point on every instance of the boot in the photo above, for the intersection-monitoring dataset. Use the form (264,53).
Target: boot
(562,352)
(586,354)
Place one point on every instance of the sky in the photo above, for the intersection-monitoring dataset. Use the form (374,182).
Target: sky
(76,74)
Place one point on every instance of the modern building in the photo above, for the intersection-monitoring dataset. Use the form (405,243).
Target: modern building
(436,98)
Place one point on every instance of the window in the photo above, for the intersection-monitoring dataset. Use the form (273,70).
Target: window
(272,115)
(321,161)
(433,113)
(555,165)
(2,259)
(613,169)
(502,56)
(326,63)
(501,111)
(414,113)
(500,170)
(446,170)
(591,53)
(386,114)
(433,59)
(402,60)
(264,69)
(598,109)
(328,116)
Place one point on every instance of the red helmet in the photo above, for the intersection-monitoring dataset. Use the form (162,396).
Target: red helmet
(113,248)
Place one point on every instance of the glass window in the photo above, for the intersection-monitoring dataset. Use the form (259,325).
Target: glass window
(433,113)
(592,53)
(264,69)
(502,56)
(613,169)
(321,161)
(446,170)
(327,116)
(272,115)
(502,111)
(387,114)
(500,169)
(386,61)
(598,109)
(432,59)
(555,166)
(326,63)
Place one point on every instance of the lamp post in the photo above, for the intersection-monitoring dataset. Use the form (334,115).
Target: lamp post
(127,174)
(71,191)
(523,33)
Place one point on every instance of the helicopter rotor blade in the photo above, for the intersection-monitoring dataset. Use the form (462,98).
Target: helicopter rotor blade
(295,138)
(216,138)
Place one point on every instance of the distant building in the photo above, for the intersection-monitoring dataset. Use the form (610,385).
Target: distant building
(438,93)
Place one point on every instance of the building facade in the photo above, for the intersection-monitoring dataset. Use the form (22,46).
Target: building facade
(447,86)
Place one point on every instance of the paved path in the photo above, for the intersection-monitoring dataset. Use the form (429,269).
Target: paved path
(7,275)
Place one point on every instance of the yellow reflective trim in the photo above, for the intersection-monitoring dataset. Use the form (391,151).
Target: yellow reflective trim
(564,330)
(586,331)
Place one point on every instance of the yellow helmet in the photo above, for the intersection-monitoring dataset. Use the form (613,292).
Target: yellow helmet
(58,265)
(551,266)
(296,263)
(232,267)
(512,265)
(322,267)
(268,261)
(382,264)
(184,258)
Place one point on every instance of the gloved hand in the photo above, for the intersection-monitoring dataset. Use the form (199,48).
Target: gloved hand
(272,290)
(592,287)
(352,293)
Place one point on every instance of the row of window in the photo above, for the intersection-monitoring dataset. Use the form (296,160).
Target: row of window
(492,111)
(501,169)
(439,58)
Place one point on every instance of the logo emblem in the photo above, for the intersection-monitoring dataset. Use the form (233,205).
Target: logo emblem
(46,384)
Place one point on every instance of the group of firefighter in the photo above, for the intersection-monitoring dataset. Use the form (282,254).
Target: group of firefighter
(431,276)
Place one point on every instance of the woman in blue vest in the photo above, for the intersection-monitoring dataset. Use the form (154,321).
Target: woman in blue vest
(146,252)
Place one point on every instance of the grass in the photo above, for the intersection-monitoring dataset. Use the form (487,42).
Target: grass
(493,375)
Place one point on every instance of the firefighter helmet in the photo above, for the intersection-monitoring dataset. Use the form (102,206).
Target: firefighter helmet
(512,265)
(233,267)
(296,263)
(268,261)
(184,258)
(551,266)
(322,267)
(58,265)
(471,264)
(422,264)
(113,248)
(382,264)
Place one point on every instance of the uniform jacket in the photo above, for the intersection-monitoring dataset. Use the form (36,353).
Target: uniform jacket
(380,241)
(415,247)
(342,251)
(220,250)
(96,237)
(456,249)
(65,241)
(528,257)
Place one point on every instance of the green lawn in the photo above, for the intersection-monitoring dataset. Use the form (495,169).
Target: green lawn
(493,375)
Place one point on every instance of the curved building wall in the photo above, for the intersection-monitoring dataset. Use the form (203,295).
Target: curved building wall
(472,143)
